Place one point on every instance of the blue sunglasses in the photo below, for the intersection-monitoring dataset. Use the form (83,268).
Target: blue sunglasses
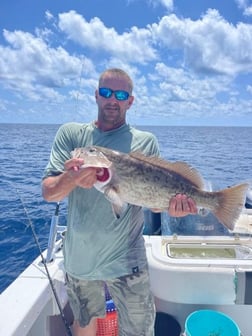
(119,94)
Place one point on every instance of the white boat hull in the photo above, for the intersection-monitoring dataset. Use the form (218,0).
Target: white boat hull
(181,284)
(28,307)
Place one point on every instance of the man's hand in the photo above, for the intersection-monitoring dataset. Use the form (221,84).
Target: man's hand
(82,177)
(55,188)
(181,205)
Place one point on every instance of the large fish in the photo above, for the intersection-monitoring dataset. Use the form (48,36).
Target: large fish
(151,181)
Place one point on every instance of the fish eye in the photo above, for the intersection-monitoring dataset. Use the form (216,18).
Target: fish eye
(92,150)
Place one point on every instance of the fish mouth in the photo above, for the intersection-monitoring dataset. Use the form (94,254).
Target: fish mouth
(92,157)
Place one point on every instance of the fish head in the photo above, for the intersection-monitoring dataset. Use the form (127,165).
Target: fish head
(92,156)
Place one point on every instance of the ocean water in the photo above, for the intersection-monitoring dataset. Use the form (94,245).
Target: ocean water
(223,155)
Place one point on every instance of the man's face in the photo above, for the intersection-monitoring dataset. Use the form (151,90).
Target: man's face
(111,111)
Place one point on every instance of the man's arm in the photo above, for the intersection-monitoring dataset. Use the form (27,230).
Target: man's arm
(55,188)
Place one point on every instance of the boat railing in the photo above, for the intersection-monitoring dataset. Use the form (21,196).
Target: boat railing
(55,230)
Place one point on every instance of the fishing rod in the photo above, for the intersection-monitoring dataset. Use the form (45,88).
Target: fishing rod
(66,324)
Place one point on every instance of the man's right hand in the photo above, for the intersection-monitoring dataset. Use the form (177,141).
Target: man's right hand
(82,177)
(55,188)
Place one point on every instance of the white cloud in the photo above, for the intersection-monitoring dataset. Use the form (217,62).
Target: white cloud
(29,66)
(249,88)
(174,91)
(209,53)
(245,6)
(248,11)
(168,4)
(132,46)
(210,44)
(49,15)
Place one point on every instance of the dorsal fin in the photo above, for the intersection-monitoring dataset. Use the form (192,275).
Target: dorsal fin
(178,167)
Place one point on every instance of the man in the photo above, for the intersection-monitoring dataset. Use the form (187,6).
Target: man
(98,247)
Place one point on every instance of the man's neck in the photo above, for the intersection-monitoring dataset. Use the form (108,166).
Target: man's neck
(108,127)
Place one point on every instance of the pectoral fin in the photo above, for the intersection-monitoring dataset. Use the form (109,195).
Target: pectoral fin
(118,206)
(119,210)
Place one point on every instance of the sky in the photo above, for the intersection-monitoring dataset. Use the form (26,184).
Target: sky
(190,60)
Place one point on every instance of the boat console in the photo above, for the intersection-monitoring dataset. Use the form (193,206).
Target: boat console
(197,264)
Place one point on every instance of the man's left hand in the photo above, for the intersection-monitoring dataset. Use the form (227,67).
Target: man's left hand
(181,205)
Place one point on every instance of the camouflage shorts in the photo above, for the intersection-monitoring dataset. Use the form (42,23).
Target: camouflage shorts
(131,295)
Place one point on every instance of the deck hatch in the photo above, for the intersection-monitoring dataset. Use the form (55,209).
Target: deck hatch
(208,251)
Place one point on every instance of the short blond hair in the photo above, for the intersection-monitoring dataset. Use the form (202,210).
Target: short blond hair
(119,73)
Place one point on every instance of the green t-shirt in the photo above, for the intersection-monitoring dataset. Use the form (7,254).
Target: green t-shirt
(98,246)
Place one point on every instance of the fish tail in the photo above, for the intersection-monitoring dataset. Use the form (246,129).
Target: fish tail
(230,204)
